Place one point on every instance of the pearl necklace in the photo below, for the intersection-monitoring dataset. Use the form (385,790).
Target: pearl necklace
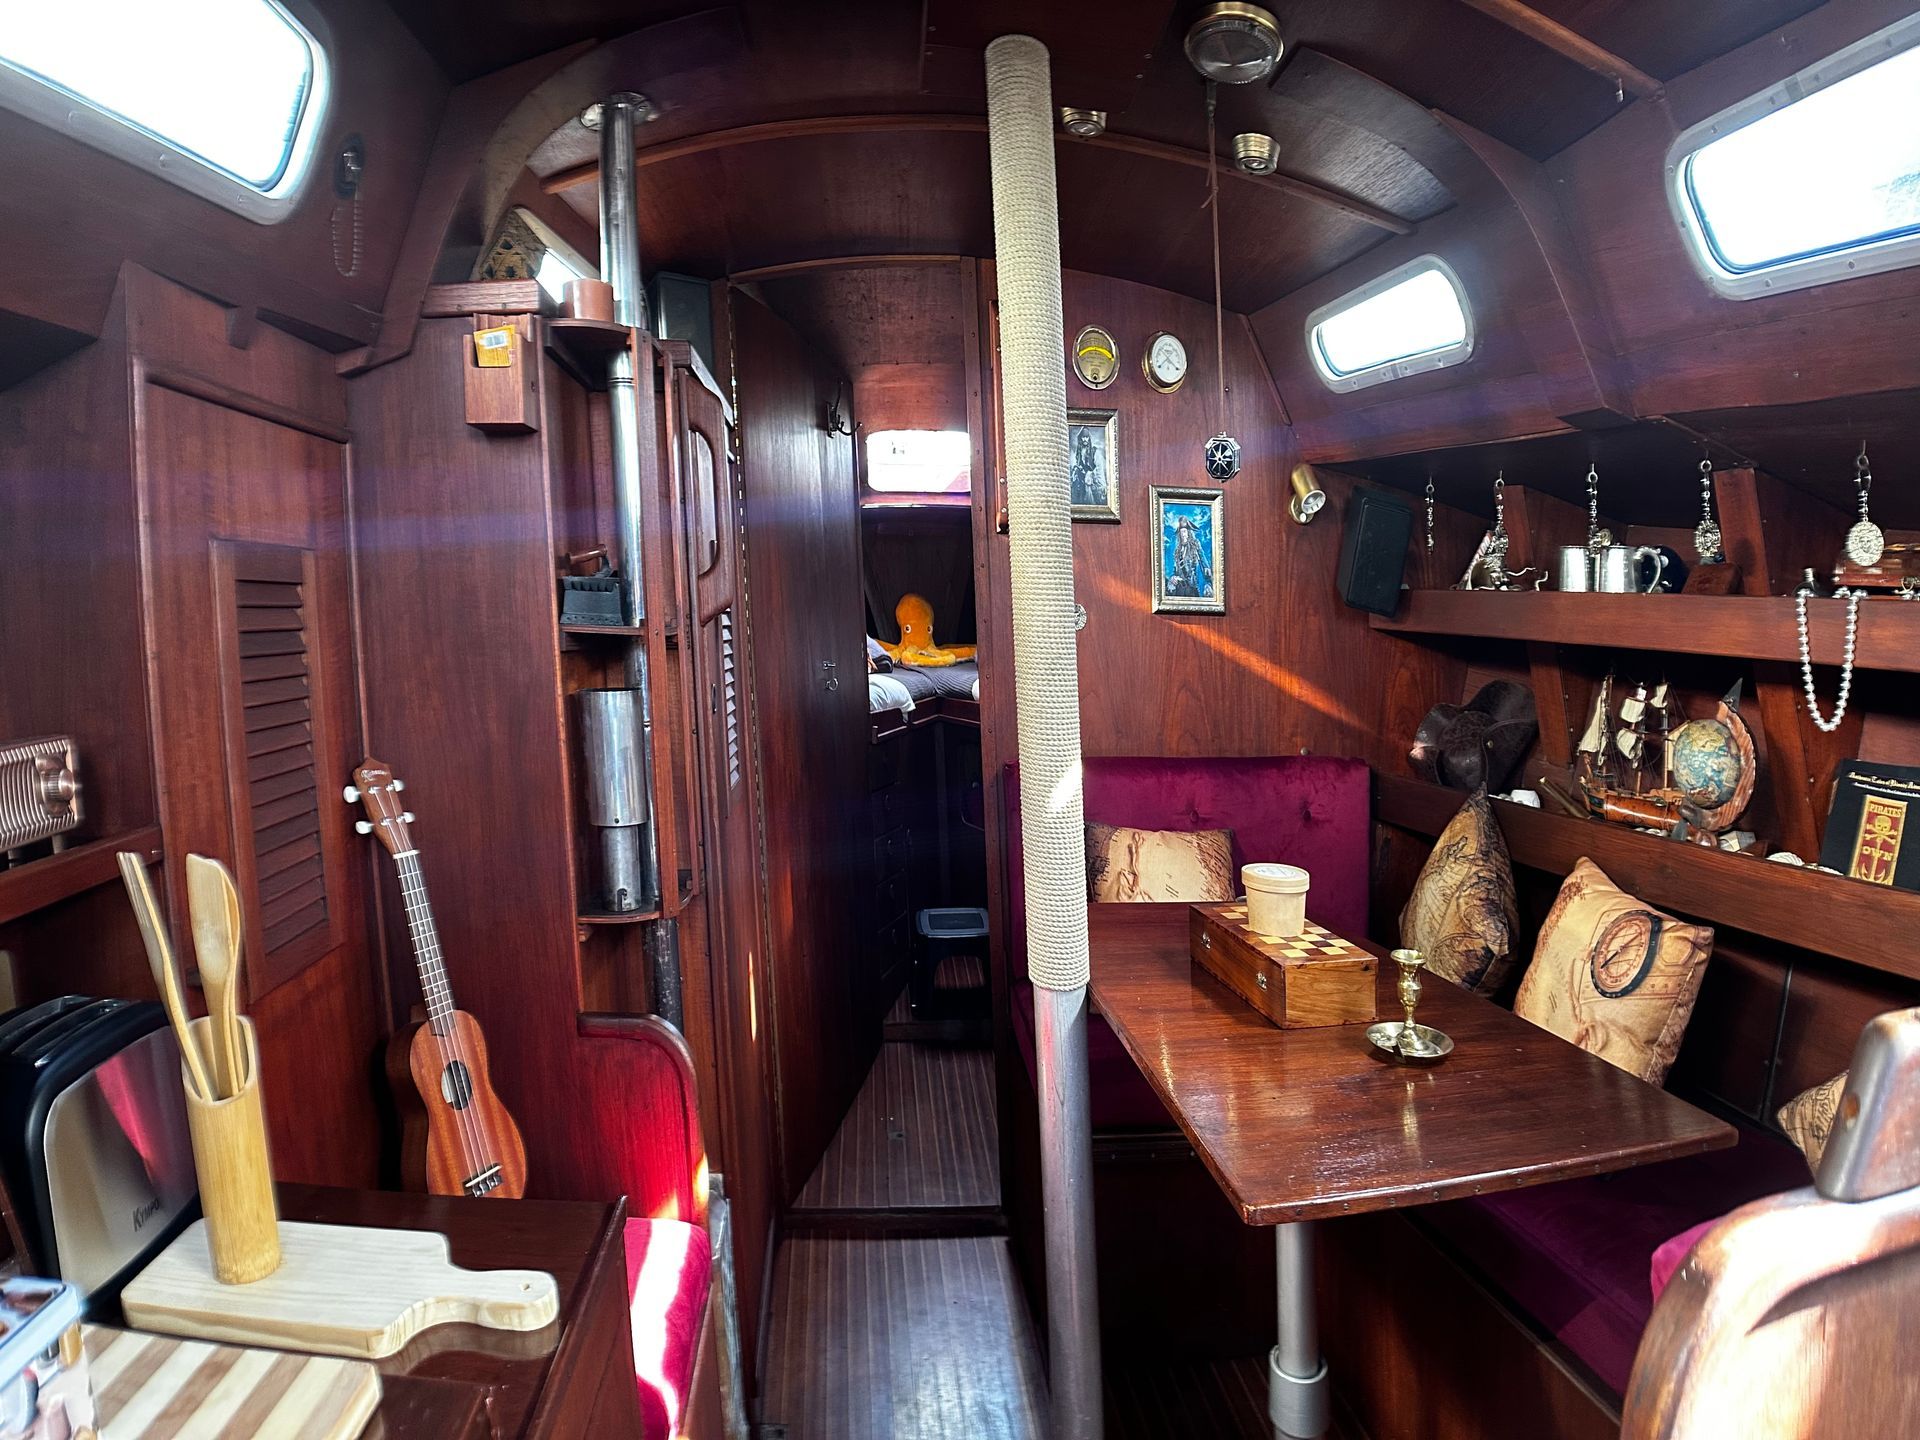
(1853,598)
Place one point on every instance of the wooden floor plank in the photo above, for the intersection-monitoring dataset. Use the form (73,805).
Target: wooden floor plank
(901,1340)
(921,1133)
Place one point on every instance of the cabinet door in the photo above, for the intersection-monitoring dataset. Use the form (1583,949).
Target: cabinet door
(251,683)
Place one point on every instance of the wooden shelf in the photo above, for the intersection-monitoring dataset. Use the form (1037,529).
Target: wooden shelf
(630,632)
(1870,925)
(1735,626)
(582,347)
(40,883)
(623,917)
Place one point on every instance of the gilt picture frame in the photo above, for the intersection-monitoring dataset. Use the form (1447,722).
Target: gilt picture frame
(1093,468)
(1189,557)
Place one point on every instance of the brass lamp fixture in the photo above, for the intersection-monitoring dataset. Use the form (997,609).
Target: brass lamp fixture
(1083,124)
(1234,44)
(1308,498)
(1255,154)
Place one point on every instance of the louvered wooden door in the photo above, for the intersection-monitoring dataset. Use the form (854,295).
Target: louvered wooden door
(274,723)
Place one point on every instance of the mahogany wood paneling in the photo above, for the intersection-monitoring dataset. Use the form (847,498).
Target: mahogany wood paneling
(1429,1369)
(1684,347)
(1289,667)
(802,522)
(69,580)
(454,564)
(232,447)
(69,243)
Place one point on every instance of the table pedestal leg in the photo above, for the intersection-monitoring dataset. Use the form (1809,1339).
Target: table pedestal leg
(1297,1398)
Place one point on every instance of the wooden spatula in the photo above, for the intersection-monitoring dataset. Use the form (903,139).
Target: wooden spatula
(215,907)
(166,975)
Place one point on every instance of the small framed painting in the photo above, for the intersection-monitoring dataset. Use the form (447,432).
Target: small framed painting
(1189,551)
(1093,470)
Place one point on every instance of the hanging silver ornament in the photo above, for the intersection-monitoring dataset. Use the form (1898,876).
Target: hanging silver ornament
(1500,541)
(1706,535)
(1223,457)
(1865,541)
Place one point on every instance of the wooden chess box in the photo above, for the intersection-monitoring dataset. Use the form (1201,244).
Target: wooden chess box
(1310,979)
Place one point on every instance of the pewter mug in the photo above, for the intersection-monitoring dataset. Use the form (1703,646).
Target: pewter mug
(1617,569)
(1576,567)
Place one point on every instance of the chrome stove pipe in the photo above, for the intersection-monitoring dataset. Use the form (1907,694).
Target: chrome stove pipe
(632,868)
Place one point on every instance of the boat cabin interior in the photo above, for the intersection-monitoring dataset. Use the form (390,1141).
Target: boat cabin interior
(938,720)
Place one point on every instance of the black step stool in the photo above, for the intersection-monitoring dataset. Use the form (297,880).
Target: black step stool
(941,984)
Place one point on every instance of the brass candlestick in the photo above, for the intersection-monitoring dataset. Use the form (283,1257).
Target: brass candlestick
(1408,1039)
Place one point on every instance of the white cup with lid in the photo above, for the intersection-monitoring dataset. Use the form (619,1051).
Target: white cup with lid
(1276,899)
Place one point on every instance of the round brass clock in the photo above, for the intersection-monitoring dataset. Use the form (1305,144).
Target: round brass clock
(1165,363)
(1096,359)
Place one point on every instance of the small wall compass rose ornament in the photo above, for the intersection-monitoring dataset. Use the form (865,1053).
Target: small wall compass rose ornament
(1223,457)
(1865,541)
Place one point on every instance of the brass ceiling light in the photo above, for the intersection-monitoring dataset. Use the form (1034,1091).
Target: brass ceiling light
(1308,498)
(1255,154)
(1234,43)
(1083,124)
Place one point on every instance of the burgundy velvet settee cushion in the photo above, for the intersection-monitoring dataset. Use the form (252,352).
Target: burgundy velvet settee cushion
(667,1273)
(1575,1255)
(1308,810)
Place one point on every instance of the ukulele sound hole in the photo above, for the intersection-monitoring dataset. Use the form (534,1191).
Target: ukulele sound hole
(456,1085)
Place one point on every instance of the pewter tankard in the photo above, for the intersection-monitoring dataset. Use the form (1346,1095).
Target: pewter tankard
(1616,569)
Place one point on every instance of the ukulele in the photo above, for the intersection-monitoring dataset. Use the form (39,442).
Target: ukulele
(456,1136)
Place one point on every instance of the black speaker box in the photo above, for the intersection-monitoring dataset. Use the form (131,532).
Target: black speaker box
(1373,551)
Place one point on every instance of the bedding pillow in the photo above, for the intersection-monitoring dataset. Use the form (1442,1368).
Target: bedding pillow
(1462,914)
(878,661)
(1808,1118)
(1614,976)
(1124,864)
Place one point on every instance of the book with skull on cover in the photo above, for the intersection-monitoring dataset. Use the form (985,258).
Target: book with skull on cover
(1870,824)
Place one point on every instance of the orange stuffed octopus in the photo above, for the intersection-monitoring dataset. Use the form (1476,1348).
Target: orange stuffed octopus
(916,645)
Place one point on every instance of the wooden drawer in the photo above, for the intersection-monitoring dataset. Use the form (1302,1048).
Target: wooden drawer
(887,947)
(891,854)
(885,762)
(887,809)
(890,900)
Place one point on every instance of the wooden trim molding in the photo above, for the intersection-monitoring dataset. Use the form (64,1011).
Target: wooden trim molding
(830,125)
(1569,45)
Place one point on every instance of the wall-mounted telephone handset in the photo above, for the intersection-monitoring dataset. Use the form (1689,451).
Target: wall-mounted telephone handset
(349,169)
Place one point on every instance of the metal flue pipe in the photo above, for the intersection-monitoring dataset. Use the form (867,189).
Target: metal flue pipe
(1026,230)
(631,855)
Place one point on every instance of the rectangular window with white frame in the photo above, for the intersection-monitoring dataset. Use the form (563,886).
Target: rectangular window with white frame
(1409,320)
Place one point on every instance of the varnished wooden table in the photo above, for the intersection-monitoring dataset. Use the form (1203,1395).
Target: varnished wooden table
(465,1382)
(1303,1125)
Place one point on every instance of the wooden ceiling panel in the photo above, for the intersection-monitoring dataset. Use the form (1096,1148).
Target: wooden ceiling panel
(1099,55)
(1668,40)
(873,315)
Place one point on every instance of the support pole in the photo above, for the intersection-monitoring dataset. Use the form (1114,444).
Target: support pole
(1026,229)
(1296,1372)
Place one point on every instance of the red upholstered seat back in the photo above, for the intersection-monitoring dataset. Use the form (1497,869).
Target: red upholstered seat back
(1314,811)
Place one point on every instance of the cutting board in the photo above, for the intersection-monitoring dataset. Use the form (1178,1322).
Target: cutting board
(340,1289)
(147,1387)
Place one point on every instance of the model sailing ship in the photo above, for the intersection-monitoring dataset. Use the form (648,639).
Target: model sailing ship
(1641,766)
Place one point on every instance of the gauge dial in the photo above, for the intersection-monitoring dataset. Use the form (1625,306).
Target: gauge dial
(1165,362)
(1096,359)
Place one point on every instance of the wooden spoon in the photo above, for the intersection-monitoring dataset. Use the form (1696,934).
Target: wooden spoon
(166,975)
(215,907)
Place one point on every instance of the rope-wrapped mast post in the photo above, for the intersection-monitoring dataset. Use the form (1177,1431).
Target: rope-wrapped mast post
(1033,394)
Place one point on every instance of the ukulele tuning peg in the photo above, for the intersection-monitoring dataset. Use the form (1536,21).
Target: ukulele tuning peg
(364,827)
(407,817)
(399,784)
(351,794)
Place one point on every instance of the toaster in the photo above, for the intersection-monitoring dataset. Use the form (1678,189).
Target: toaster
(94,1145)
(39,790)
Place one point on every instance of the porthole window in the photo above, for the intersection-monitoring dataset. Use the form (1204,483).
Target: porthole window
(221,97)
(920,462)
(1411,319)
(1812,181)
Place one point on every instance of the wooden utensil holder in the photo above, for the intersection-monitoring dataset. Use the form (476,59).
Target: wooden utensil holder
(236,1178)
